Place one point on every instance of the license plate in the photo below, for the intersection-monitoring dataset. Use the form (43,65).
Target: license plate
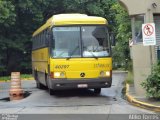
(82,85)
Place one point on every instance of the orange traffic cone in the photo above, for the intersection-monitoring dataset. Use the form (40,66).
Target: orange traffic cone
(15,92)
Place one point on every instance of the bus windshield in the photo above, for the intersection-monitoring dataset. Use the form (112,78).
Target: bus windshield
(80,41)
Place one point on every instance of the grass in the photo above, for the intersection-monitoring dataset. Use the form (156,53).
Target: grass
(5,78)
(129,78)
(121,69)
(23,77)
(26,76)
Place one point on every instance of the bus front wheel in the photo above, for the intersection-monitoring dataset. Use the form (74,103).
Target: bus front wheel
(97,90)
(51,92)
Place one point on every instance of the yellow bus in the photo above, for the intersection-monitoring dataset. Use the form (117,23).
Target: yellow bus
(72,51)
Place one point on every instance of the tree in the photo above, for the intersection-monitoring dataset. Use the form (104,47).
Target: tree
(121,53)
(7,18)
(7,15)
(20,18)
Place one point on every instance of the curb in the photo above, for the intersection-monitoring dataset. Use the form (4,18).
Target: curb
(28,78)
(2,81)
(119,71)
(138,103)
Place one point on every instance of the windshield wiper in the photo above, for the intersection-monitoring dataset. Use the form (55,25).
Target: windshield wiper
(72,52)
(60,55)
(93,55)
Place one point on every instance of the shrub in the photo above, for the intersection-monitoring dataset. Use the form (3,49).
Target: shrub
(152,83)
(129,78)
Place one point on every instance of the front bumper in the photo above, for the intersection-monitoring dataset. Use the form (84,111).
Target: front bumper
(60,84)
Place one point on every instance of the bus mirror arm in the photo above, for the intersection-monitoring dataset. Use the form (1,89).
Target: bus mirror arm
(112,38)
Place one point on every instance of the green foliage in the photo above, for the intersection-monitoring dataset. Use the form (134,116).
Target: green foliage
(20,18)
(5,78)
(16,22)
(152,83)
(129,78)
(121,54)
(7,15)
(23,76)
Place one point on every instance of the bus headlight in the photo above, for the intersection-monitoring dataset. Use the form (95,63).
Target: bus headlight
(56,74)
(105,74)
(108,73)
(59,74)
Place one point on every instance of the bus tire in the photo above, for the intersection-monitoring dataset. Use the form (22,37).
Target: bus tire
(51,92)
(97,90)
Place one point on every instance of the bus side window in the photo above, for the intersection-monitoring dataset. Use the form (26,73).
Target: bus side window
(33,43)
(42,43)
(47,37)
(37,41)
(43,38)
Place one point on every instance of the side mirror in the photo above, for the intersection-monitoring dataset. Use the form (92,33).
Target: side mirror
(112,38)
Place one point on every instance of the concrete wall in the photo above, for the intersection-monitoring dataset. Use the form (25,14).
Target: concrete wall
(135,7)
(143,57)
(141,66)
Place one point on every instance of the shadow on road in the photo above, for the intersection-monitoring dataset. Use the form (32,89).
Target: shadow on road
(75,92)
(26,94)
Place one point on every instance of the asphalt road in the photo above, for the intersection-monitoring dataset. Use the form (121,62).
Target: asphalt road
(71,104)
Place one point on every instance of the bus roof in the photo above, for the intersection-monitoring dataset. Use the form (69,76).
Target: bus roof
(71,19)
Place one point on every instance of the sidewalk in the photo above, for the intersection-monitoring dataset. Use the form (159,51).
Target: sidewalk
(4,89)
(141,101)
